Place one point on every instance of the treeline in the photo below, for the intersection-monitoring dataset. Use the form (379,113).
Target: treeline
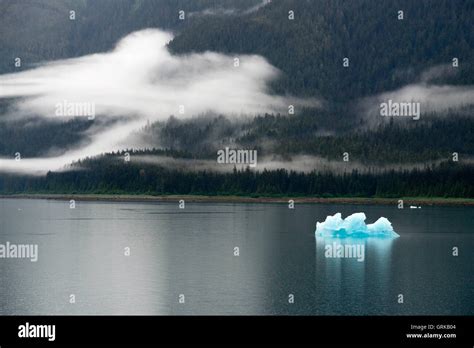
(111,177)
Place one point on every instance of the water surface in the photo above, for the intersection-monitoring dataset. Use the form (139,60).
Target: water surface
(192,252)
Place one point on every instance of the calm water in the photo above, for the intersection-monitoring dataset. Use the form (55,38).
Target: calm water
(191,252)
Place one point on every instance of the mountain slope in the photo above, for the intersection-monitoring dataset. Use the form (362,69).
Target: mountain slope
(36,30)
(384,52)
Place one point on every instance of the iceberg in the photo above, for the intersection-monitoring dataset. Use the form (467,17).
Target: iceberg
(354,226)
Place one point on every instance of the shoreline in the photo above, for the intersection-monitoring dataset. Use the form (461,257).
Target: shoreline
(407,201)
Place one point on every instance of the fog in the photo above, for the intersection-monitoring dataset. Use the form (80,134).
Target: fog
(298,163)
(436,99)
(137,82)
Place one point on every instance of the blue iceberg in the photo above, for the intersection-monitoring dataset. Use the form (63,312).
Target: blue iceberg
(354,226)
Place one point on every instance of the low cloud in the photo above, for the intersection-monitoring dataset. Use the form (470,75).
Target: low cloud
(298,163)
(137,82)
(435,100)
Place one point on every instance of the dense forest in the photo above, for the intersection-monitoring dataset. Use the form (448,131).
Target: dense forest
(106,176)
(308,50)
(394,142)
(384,52)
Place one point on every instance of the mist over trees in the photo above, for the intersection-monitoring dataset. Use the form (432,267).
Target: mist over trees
(285,136)
(102,176)
(384,53)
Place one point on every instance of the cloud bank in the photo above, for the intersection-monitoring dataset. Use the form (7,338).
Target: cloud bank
(140,81)
(436,100)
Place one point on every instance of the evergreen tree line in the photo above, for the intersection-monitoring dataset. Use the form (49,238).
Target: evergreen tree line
(111,177)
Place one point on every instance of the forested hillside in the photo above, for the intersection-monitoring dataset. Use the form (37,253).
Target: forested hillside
(284,136)
(287,136)
(384,52)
